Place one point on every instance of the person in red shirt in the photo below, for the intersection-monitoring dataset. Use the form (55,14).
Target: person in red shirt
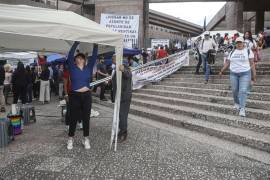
(67,83)
(67,89)
(162,53)
(42,60)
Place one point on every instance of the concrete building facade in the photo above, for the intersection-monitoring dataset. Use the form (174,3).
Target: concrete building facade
(242,17)
(152,24)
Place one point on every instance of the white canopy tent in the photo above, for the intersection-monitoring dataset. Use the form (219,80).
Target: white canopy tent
(39,29)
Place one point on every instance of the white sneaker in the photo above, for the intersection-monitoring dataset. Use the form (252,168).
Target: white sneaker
(236,106)
(81,125)
(86,143)
(70,144)
(242,112)
(94,113)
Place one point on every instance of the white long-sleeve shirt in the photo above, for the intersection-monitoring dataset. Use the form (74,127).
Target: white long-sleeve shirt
(206,45)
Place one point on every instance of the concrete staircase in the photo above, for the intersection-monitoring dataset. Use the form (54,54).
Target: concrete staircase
(182,100)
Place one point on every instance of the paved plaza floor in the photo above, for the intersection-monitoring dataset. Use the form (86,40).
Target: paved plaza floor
(149,153)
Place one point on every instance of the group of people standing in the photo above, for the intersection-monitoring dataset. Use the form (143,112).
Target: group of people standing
(28,83)
(21,82)
(73,84)
(241,61)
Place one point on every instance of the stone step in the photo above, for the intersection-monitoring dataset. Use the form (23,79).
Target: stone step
(259,82)
(202,98)
(201,75)
(215,71)
(267,72)
(246,137)
(258,89)
(214,92)
(203,106)
(258,67)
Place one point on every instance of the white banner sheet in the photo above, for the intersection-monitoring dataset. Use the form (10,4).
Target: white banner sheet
(159,70)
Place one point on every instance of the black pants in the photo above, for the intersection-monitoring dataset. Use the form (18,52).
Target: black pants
(52,87)
(199,62)
(112,97)
(7,89)
(67,116)
(80,108)
(19,92)
(267,41)
(123,116)
(36,87)
(102,90)
(29,93)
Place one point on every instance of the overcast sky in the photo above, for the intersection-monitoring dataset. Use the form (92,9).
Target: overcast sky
(193,12)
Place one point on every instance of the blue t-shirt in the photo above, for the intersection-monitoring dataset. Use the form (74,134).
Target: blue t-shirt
(81,77)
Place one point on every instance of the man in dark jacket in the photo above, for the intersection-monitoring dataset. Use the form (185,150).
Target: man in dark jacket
(2,98)
(102,73)
(126,95)
(20,81)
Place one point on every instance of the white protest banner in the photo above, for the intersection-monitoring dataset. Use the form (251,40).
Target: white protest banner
(159,70)
(160,42)
(128,25)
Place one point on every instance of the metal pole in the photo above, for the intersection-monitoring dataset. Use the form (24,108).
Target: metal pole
(82,8)
(57,4)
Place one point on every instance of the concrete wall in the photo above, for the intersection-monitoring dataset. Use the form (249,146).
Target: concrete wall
(226,18)
(250,19)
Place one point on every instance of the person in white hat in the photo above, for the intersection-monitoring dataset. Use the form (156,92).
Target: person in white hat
(242,74)
(206,44)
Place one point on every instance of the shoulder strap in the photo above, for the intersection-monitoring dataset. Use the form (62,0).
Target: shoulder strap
(232,53)
(202,44)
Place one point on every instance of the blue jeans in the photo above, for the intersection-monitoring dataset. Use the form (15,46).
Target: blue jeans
(240,83)
(205,66)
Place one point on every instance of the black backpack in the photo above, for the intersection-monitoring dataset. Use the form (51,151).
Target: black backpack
(211,56)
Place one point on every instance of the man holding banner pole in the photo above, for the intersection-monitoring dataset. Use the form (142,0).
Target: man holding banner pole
(126,94)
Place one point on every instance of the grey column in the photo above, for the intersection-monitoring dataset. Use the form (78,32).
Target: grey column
(247,22)
(146,23)
(259,23)
(234,15)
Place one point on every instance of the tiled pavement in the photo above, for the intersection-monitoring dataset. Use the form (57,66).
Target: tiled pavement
(149,153)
